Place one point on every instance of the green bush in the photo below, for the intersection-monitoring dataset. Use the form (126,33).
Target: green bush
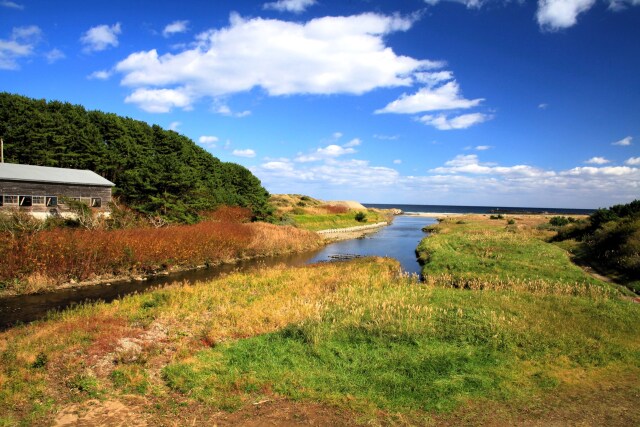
(361,217)
(559,221)
(609,239)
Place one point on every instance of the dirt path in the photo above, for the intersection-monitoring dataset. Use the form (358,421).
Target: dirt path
(605,399)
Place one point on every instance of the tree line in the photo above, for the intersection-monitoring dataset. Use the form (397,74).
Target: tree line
(609,239)
(156,171)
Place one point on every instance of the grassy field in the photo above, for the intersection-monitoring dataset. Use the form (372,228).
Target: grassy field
(356,342)
(326,221)
(482,253)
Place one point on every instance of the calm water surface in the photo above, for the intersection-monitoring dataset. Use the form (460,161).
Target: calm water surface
(399,241)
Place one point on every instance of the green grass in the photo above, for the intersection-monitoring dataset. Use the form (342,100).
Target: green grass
(490,254)
(401,347)
(317,222)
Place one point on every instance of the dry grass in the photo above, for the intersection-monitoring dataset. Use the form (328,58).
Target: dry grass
(60,255)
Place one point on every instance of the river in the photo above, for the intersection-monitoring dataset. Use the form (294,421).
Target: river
(398,240)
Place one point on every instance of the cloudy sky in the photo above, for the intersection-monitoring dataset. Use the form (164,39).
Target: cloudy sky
(464,102)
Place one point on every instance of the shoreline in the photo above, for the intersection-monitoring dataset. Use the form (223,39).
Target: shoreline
(340,234)
(434,214)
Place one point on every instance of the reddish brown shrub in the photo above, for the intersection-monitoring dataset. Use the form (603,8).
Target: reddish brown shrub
(335,209)
(64,254)
(230,214)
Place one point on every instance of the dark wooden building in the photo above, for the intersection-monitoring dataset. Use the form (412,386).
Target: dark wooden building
(40,189)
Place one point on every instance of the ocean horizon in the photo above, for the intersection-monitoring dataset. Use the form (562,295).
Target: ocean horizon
(477,209)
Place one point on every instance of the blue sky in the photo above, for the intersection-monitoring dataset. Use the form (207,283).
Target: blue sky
(464,102)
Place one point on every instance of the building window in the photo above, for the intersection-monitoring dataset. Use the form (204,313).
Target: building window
(25,201)
(96,202)
(38,200)
(51,201)
(10,200)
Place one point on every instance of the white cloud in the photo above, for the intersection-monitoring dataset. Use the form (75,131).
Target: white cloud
(435,78)
(470,164)
(28,33)
(553,15)
(174,126)
(397,162)
(175,27)
(445,97)
(249,153)
(386,137)
(208,139)
(224,110)
(11,5)
(328,55)
(618,5)
(471,4)
(442,122)
(626,141)
(461,180)
(295,6)
(353,143)
(330,151)
(348,174)
(160,100)
(337,135)
(54,55)
(100,37)
(543,106)
(633,161)
(20,44)
(280,165)
(99,75)
(604,171)
(483,147)
(598,161)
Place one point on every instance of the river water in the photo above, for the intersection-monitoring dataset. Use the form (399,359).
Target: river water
(398,240)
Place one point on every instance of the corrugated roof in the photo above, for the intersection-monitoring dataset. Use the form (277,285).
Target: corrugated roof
(15,172)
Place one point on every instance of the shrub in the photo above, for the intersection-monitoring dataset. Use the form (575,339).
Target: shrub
(63,253)
(235,214)
(361,217)
(18,222)
(499,216)
(559,221)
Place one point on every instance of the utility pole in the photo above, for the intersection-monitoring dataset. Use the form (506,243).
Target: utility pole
(1,150)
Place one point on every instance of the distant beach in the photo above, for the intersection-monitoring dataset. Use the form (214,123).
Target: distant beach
(447,210)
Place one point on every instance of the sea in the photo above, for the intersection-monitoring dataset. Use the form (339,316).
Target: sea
(479,209)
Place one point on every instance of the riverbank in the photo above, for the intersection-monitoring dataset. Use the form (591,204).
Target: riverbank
(502,252)
(45,260)
(348,233)
(341,343)
(433,214)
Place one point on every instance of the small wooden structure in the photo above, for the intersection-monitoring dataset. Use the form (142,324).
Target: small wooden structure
(42,190)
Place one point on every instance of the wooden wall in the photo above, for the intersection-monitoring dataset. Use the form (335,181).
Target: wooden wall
(84,192)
